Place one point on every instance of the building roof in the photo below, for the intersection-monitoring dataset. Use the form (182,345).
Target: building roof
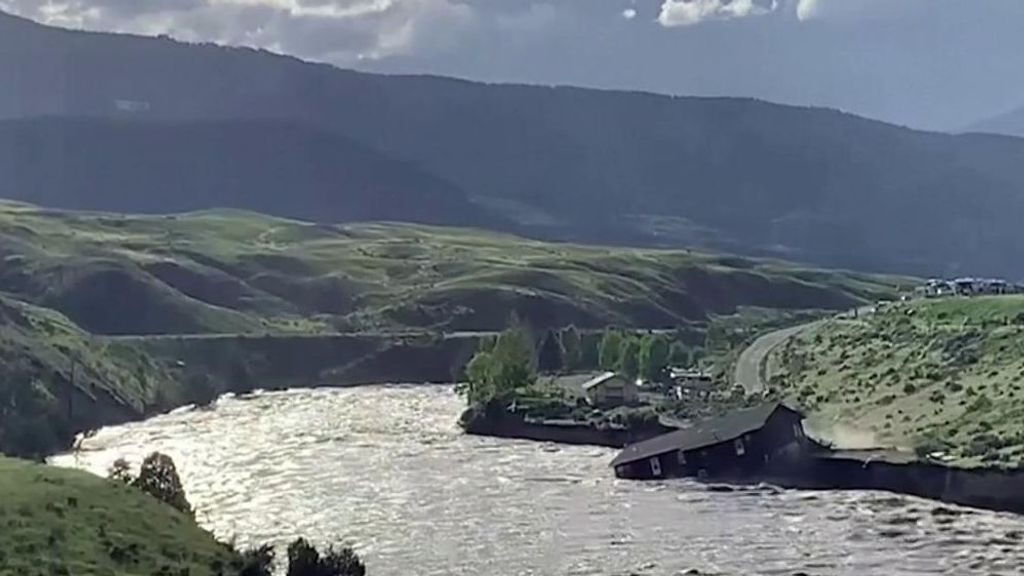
(702,434)
(595,382)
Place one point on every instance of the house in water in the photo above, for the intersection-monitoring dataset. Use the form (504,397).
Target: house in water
(737,444)
(611,389)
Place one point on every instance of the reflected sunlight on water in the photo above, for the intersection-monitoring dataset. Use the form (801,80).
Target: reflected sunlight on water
(386,469)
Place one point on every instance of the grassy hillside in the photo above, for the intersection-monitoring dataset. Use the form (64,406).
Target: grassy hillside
(55,379)
(240,272)
(55,521)
(936,375)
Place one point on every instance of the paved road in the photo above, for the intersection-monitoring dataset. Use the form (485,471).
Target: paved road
(748,367)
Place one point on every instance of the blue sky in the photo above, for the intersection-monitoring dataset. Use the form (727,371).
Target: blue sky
(938,64)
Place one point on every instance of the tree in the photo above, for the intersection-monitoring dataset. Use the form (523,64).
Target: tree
(257,561)
(551,355)
(304,560)
(159,478)
(572,349)
(608,350)
(629,357)
(479,385)
(342,562)
(653,358)
(121,471)
(680,355)
(498,372)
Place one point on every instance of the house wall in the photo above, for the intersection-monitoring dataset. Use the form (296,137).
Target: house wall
(616,391)
(778,439)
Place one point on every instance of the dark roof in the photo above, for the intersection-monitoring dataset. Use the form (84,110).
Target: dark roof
(702,434)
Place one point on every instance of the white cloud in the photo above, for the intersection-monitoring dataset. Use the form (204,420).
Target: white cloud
(629,13)
(690,12)
(807,9)
(340,31)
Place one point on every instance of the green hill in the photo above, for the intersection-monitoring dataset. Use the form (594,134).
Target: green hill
(942,375)
(241,272)
(243,300)
(55,521)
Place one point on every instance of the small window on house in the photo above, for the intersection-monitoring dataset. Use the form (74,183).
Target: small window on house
(655,467)
(741,448)
(682,457)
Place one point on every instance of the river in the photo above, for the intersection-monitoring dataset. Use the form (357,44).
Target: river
(386,469)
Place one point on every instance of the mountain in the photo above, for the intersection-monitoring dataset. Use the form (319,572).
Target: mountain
(1008,123)
(265,165)
(561,163)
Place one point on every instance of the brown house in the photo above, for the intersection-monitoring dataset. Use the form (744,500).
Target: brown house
(740,443)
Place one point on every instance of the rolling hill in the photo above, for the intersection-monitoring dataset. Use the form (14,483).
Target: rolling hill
(560,163)
(241,272)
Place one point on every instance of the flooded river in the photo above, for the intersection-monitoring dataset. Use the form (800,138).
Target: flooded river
(386,469)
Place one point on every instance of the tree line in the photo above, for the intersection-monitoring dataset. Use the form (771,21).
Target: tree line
(511,361)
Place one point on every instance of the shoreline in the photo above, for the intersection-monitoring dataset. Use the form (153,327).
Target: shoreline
(992,489)
(985,488)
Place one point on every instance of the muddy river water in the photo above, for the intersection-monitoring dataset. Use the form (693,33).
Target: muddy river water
(386,469)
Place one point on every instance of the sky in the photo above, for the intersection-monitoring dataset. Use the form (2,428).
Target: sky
(934,64)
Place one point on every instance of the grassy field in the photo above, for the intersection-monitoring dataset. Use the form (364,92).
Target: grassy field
(63,522)
(240,272)
(936,375)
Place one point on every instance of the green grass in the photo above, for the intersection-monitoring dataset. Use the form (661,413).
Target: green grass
(55,521)
(940,374)
(238,272)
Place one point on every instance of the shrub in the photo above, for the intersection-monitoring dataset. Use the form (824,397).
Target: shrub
(929,444)
(909,388)
(121,471)
(984,445)
(257,562)
(159,478)
(304,560)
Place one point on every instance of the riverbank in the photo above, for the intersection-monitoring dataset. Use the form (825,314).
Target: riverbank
(899,473)
(500,424)
(59,521)
(993,489)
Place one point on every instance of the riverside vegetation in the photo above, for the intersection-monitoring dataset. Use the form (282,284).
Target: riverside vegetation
(55,521)
(510,376)
(942,377)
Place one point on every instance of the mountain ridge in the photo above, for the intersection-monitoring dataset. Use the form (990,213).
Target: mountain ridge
(576,164)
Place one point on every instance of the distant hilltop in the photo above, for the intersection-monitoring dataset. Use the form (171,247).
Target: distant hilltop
(244,128)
